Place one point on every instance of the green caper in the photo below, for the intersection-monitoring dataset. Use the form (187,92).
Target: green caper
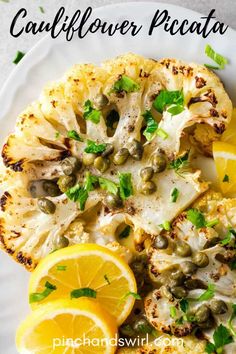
(137,267)
(188,268)
(127,330)
(136,150)
(101,101)
(208,324)
(148,188)
(178,276)
(147,173)
(61,242)
(161,242)
(200,259)
(202,314)
(179,292)
(183,249)
(159,162)
(44,188)
(192,284)
(167,293)
(141,325)
(101,163)
(88,159)
(108,151)
(112,201)
(218,307)
(70,165)
(46,206)
(212,242)
(66,182)
(121,156)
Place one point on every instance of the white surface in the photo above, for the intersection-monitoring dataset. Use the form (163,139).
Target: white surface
(48,61)
(225,11)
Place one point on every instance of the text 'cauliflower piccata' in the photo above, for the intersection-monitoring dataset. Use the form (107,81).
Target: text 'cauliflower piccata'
(101,142)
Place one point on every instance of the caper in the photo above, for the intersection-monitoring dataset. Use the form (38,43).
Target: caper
(208,324)
(121,156)
(192,284)
(212,242)
(70,165)
(147,173)
(218,307)
(200,259)
(101,163)
(179,292)
(161,242)
(183,249)
(44,188)
(159,162)
(142,325)
(88,159)
(178,276)
(137,267)
(112,201)
(136,150)
(108,151)
(202,314)
(46,206)
(148,188)
(101,101)
(167,293)
(127,330)
(61,242)
(66,182)
(188,268)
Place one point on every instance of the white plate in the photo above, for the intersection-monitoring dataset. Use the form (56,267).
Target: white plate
(49,59)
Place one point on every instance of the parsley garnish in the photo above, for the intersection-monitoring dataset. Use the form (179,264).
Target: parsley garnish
(228,237)
(90,182)
(226,178)
(180,162)
(91,113)
(184,305)
(126,188)
(212,223)
(61,268)
(107,279)
(216,57)
(125,233)
(174,195)
(125,84)
(212,67)
(208,294)
(232,317)
(167,98)
(176,109)
(162,133)
(41,9)
(78,194)
(87,292)
(108,185)
(166,225)
(151,127)
(221,338)
(173,312)
(72,134)
(36,297)
(196,218)
(94,148)
(57,135)
(18,57)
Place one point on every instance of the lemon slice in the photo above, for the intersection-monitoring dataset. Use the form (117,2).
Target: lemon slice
(85,270)
(229,136)
(225,160)
(67,326)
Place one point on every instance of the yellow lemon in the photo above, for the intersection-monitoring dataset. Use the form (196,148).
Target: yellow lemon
(229,136)
(225,160)
(67,326)
(85,270)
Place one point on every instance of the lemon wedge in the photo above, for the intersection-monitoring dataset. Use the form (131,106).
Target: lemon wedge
(85,270)
(229,136)
(225,160)
(67,326)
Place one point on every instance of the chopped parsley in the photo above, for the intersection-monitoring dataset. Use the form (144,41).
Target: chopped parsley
(208,294)
(57,135)
(36,297)
(41,9)
(162,133)
(167,98)
(61,268)
(216,57)
(79,194)
(226,178)
(184,305)
(196,218)
(151,127)
(166,225)
(108,185)
(72,134)
(126,188)
(180,162)
(18,57)
(212,67)
(107,279)
(91,113)
(94,148)
(87,292)
(212,223)
(228,237)
(90,182)
(175,110)
(174,195)
(125,84)
(173,312)
(232,317)
(221,337)
(125,232)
